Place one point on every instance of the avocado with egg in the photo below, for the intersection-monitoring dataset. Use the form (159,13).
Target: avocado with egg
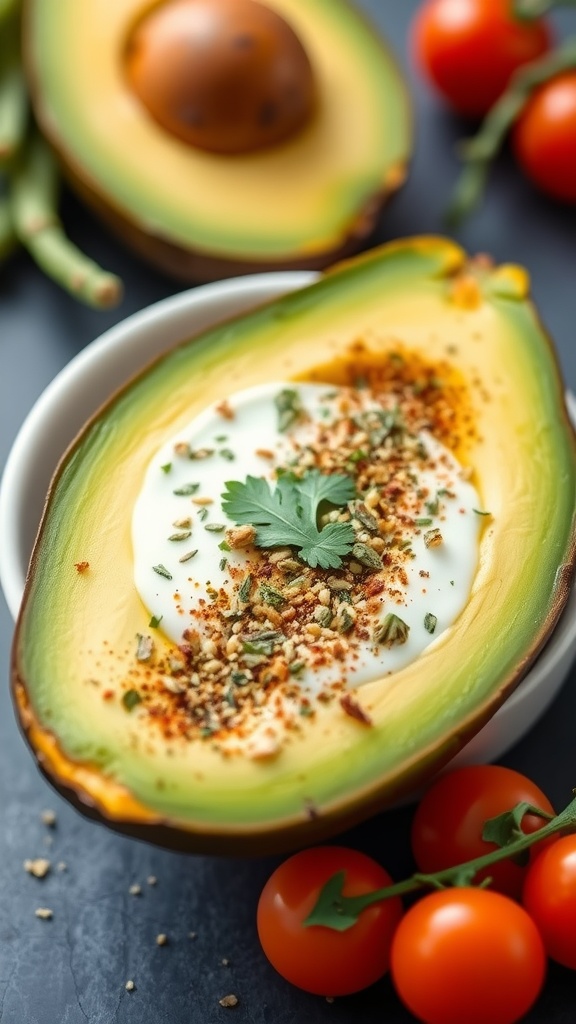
(222,136)
(109,703)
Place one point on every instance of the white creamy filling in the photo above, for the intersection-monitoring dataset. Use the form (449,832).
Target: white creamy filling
(179,511)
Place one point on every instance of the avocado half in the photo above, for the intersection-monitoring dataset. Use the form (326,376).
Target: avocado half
(74,643)
(301,203)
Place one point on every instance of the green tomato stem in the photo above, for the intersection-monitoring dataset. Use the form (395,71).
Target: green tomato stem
(339,912)
(7,9)
(478,153)
(526,10)
(33,200)
(7,234)
(13,92)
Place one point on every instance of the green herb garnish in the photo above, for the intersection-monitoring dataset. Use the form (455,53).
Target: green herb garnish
(244,589)
(289,406)
(186,489)
(265,647)
(430,622)
(272,596)
(288,515)
(166,467)
(130,699)
(162,571)
(366,555)
(155,621)
(391,630)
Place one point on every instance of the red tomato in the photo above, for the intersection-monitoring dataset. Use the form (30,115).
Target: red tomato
(469,49)
(467,956)
(316,958)
(448,822)
(544,138)
(549,896)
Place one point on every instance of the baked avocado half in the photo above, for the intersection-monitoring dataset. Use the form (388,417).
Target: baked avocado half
(313,152)
(161,737)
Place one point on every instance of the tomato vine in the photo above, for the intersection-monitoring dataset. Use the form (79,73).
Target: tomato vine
(335,910)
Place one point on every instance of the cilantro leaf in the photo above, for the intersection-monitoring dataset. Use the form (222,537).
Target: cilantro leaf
(316,487)
(288,514)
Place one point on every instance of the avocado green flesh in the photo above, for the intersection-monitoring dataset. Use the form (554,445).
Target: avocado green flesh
(399,291)
(297,198)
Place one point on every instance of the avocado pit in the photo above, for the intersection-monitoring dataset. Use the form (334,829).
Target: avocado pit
(227,76)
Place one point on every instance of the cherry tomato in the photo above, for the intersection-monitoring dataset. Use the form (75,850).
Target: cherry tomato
(544,138)
(549,896)
(448,822)
(320,959)
(468,49)
(467,955)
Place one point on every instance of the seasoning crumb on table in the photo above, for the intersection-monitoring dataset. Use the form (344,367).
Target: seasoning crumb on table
(48,817)
(152,880)
(135,890)
(39,867)
(230,1000)
(161,939)
(44,913)
(130,986)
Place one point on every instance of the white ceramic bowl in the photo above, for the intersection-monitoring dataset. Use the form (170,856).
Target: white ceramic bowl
(102,366)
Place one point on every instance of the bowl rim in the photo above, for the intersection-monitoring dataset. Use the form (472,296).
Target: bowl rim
(125,334)
(178,309)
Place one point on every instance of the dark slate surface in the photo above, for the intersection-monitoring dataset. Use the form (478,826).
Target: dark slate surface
(72,970)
